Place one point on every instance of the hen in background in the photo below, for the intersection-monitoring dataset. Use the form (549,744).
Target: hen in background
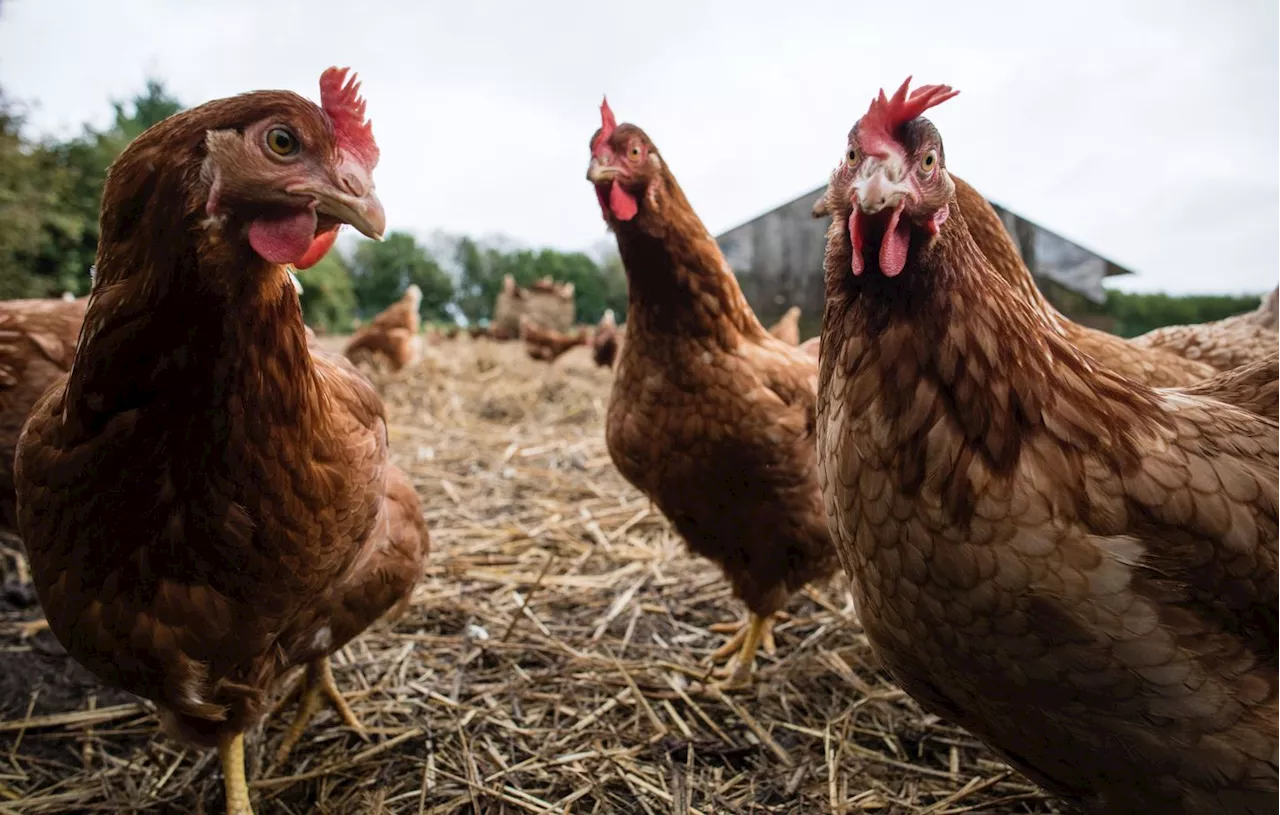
(1224,344)
(37,344)
(546,344)
(710,416)
(787,329)
(1079,569)
(206,503)
(606,340)
(395,335)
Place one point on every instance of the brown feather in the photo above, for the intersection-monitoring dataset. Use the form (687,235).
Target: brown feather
(787,329)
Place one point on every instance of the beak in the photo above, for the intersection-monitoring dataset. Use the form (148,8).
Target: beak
(351,200)
(880,190)
(598,173)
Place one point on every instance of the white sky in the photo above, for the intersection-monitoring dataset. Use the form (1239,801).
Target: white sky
(1146,131)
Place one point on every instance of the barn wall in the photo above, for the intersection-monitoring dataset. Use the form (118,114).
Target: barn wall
(778,261)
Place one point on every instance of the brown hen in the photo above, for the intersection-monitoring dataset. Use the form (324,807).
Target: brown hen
(710,416)
(546,344)
(1079,569)
(787,329)
(1224,344)
(606,340)
(206,503)
(37,344)
(394,335)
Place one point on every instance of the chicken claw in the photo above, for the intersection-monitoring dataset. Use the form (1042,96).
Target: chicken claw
(231,751)
(741,647)
(30,628)
(317,682)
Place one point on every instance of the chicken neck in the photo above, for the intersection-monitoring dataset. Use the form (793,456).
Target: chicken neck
(989,233)
(678,281)
(190,319)
(950,336)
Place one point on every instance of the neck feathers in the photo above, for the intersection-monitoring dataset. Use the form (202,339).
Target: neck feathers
(679,281)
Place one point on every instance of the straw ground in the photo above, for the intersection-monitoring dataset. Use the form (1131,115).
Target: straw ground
(552,660)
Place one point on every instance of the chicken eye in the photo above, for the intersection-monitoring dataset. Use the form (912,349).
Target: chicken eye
(282,142)
(930,159)
(851,156)
(635,151)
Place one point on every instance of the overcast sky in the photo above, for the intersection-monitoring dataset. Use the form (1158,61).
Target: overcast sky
(1146,131)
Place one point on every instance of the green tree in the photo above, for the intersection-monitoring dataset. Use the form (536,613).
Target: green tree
(476,286)
(86,159)
(328,296)
(1139,313)
(34,219)
(482,268)
(381,271)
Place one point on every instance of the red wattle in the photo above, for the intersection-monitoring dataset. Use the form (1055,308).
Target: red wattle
(855,240)
(622,203)
(285,238)
(317,250)
(895,243)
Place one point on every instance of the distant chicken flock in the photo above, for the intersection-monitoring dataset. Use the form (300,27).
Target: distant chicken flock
(1059,539)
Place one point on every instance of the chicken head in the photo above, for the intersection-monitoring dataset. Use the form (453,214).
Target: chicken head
(293,176)
(625,166)
(894,179)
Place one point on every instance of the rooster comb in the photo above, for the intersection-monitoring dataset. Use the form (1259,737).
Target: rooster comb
(341,100)
(886,115)
(608,124)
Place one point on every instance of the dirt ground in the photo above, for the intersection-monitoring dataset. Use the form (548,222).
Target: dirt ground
(553,659)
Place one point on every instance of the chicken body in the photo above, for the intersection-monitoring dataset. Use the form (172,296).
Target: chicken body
(547,344)
(1077,568)
(710,416)
(1223,344)
(37,344)
(606,339)
(395,335)
(206,502)
(1143,363)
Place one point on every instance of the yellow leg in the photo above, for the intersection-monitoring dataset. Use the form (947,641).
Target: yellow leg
(29,629)
(741,648)
(231,751)
(317,685)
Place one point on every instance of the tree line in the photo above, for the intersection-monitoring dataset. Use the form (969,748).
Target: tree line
(50,191)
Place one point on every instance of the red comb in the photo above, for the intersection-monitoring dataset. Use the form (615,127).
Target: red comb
(880,123)
(340,98)
(608,124)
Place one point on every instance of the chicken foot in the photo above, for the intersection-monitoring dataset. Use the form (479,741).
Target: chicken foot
(317,683)
(231,752)
(30,628)
(741,648)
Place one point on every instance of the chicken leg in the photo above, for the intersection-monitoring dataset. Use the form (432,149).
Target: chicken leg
(231,751)
(741,648)
(318,682)
(30,628)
